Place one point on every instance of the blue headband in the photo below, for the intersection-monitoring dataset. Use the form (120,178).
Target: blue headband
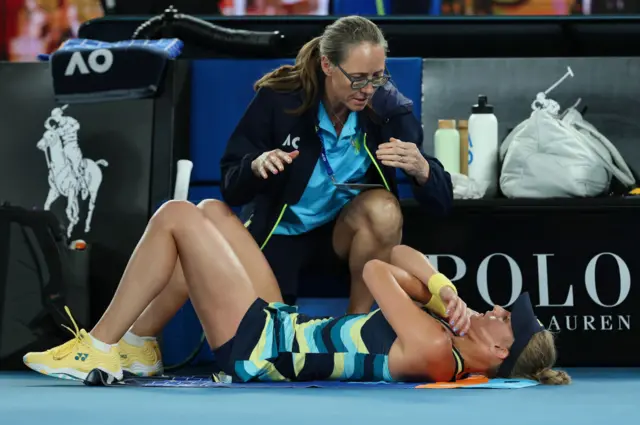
(524,325)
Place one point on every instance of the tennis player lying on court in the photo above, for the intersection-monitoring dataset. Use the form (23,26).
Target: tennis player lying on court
(422,332)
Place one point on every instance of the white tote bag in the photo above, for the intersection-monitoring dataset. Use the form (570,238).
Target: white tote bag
(552,155)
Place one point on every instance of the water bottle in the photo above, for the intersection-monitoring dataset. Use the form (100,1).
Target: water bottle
(483,146)
(447,145)
(463,130)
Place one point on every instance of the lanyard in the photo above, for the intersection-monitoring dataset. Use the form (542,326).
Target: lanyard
(323,156)
(327,166)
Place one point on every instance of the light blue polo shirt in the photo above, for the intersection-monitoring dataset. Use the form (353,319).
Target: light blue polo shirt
(321,201)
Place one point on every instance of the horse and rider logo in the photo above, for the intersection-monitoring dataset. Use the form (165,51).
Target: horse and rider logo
(70,174)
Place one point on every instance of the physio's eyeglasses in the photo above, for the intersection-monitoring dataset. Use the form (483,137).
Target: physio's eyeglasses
(358,83)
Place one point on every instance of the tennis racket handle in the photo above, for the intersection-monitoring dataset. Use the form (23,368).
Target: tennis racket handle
(183,178)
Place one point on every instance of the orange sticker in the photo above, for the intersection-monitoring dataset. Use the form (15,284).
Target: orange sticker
(472,380)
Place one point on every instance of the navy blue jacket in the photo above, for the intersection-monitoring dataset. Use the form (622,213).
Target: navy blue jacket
(267,124)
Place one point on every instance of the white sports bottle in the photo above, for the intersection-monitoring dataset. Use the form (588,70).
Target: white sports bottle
(483,146)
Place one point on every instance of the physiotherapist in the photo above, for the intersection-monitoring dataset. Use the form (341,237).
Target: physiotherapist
(312,131)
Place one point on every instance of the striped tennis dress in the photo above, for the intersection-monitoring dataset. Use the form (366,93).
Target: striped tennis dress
(274,342)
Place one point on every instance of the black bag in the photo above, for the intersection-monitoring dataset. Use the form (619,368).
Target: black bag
(39,275)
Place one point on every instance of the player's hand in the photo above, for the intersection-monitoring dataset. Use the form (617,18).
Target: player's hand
(272,162)
(457,313)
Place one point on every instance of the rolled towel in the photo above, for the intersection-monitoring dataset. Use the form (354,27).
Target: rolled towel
(95,71)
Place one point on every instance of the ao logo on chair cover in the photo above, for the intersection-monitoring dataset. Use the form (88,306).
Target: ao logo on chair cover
(98,61)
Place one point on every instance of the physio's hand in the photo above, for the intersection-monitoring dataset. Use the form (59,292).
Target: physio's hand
(404,155)
(457,313)
(272,162)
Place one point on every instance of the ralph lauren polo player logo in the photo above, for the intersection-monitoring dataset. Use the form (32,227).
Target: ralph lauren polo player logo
(71,175)
(291,142)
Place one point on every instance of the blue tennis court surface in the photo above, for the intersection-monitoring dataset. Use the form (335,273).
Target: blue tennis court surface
(597,396)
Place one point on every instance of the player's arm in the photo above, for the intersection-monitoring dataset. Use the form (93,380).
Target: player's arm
(424,347)
(415,289)
(420,271)
(412,261)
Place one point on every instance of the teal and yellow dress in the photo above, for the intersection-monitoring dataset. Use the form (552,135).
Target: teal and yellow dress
(276,343)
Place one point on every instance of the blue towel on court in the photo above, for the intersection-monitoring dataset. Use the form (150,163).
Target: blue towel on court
(505,384)
(207,382)
(95,71)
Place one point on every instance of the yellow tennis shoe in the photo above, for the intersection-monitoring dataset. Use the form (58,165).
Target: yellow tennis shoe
(141,360)
(75,358)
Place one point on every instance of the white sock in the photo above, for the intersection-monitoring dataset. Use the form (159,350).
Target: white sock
(135,340)
(100,345)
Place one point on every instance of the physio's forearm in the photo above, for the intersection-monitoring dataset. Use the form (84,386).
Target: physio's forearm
(436,193)
(240,185)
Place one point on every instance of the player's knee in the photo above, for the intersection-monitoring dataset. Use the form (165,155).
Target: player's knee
(174,214)
(215,209)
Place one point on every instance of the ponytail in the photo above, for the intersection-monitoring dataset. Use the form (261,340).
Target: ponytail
(334,43)
(303,75)
(549,376)
(537,359)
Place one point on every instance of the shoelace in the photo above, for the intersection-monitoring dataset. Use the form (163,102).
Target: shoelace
(69,346)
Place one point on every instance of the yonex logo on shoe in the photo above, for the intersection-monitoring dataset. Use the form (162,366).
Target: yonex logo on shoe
(81,356)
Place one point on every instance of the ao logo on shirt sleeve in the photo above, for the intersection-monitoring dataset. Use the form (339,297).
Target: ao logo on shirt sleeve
(98,61)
